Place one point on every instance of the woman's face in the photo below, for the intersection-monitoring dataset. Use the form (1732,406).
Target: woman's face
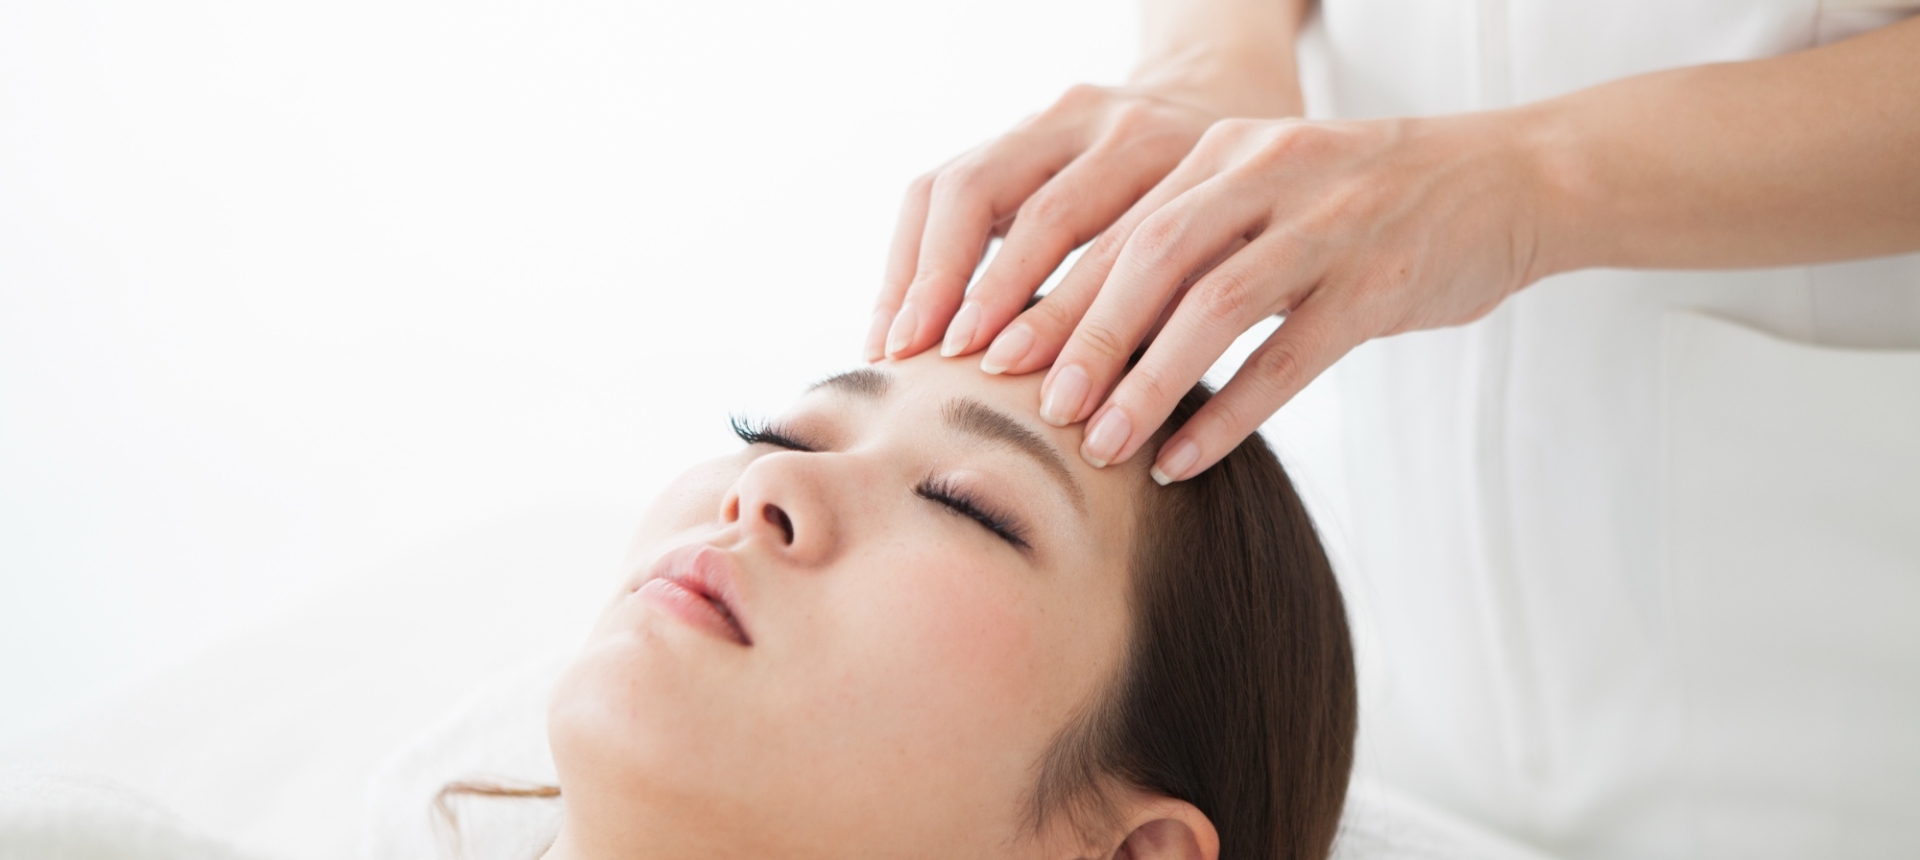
(919,585)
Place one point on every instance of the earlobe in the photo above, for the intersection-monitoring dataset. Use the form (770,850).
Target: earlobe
(1167,829)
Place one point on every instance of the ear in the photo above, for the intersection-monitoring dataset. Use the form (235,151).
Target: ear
(1162,828)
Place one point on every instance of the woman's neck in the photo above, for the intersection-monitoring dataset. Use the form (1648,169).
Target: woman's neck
(631,837)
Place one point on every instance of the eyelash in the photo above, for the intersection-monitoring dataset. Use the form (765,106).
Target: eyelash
(943,491)
(755,432)
(940,491)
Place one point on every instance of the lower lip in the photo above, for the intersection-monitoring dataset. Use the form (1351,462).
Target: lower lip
(683,603)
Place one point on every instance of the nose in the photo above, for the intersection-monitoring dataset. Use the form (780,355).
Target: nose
(783,501)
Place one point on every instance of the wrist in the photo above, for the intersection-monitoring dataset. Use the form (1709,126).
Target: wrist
(1563,205)
(1231,78)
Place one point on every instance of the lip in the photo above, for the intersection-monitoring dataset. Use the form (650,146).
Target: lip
(697,584)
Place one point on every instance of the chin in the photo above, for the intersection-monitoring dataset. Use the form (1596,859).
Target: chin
(640,702)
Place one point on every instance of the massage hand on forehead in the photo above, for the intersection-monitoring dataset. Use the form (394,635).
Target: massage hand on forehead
(1627,306)
(1211,205)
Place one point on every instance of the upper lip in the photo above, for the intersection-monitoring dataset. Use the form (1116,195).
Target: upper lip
(711,573)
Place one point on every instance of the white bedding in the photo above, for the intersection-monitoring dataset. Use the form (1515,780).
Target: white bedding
(266,743)
(326,732)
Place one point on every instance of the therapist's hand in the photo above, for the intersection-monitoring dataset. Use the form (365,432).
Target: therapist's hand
(1352,230)
(1050,185)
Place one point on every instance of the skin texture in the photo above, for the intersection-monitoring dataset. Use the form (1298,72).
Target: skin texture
(907,666)
(1362,229)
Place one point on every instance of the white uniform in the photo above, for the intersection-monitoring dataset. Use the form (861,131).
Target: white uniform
(1635,561)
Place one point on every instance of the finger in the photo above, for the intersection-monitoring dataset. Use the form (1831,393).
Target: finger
(1314,336)
(1167,248)
(902,257)
(966,200)
(1248,287)
(1087,196)
(1035,340)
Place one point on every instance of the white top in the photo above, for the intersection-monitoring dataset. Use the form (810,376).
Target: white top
(1635,560)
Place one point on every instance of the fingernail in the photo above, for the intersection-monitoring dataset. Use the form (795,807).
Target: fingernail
(1174,464)
(1104,438)
(1011,346)
(961,331)
(904,326)
(1066,391)
(876,336)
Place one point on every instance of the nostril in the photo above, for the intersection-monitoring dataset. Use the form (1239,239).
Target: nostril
(778,517)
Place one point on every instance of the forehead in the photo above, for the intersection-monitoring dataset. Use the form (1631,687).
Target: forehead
(917,390)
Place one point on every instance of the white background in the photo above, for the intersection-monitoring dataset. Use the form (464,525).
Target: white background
(289,290)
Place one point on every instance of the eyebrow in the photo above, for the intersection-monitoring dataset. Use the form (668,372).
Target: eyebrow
(973,418)
(871,384)
(978,419)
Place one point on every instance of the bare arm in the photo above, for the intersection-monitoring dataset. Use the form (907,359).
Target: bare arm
(1365,228)
(1803,158)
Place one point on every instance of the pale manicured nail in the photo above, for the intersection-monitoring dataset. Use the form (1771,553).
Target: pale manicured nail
(1011,346)
(904,326)
(1174,464)
(1105,436)
(877,336)
(1066,392)
(961,331)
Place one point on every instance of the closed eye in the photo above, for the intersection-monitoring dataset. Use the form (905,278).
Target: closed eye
(756,432)
(947,494)
(940,491)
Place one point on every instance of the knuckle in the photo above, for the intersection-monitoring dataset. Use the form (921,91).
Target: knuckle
(1046,209)
(1049,316)
(1155,241)
(1107,244)
(1133,119)
(1102,340)
(1230,135)
(921,184)
(1225,297)
(1237,417)
(1080,96)
(1232,128)
(1151,386)
(959,178)
(1276,364)
(1294,140)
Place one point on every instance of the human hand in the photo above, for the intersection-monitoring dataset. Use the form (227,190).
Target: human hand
(1048,186)
(1351,230)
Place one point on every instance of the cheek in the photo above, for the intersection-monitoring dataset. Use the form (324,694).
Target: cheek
(692,499)
(951,652)
(965,627)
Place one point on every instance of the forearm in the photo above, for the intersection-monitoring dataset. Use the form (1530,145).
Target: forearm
(1809,157)
(1235,56)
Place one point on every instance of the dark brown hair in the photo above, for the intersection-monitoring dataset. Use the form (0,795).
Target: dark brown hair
(1238,695)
